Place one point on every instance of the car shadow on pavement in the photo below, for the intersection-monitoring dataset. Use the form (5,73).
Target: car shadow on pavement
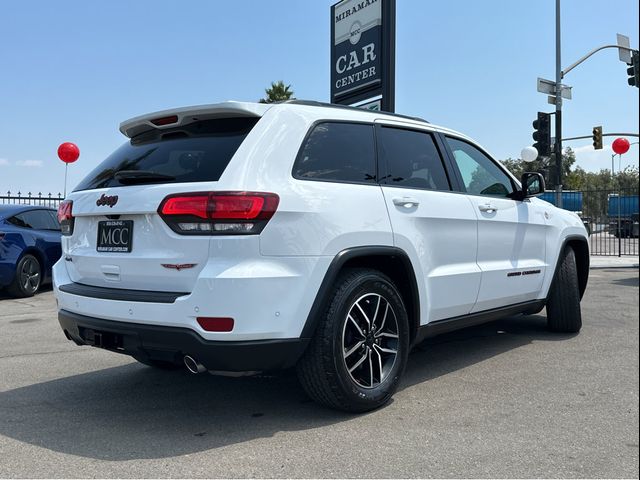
(627,282)
(136,412)
(44,288)
(447,353)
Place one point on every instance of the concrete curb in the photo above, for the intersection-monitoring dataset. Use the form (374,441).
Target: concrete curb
(605,267)
(614,262)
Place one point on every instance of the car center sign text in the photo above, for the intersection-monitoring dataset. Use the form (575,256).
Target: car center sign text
(356,52)
(362,56)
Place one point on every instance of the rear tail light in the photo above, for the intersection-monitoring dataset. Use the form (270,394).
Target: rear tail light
(218,213)
(65,217)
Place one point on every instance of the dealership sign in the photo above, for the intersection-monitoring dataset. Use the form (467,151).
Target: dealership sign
(362,52)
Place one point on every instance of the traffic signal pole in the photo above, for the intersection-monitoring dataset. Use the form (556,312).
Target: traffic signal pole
(558,142)
(583,137)
(578,62)
(634,80)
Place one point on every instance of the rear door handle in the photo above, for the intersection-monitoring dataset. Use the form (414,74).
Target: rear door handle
(406,202)
(487,208)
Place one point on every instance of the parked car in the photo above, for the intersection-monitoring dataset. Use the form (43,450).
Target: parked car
(29,246)
(243,237)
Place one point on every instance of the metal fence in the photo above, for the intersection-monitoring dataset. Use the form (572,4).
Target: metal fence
(48,200)
(611,216)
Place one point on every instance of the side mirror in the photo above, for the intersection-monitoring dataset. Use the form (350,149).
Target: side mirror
(532,184)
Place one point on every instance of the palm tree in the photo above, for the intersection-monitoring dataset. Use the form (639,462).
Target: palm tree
(278,92)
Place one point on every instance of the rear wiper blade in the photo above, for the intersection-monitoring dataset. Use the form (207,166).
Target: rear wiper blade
(129,177)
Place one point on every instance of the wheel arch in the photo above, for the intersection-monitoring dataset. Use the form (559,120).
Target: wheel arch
(391,261)
(580,247)
(36,253)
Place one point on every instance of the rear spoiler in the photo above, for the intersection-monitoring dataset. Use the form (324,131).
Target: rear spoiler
(186,115)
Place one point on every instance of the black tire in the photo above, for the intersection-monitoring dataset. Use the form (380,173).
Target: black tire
(28,277)
(563,303)
(323,371)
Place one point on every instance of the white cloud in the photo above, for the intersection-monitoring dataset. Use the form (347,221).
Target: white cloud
(29,163)
(595,160)
(3,162)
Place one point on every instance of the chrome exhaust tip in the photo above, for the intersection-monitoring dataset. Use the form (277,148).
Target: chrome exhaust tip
(192,365)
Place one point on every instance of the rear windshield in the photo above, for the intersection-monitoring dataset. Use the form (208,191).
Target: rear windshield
(199,152)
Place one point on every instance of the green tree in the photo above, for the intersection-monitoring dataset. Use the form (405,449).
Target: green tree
(628,178)
(543,165)
(579,179)
(515,166)
(277,92)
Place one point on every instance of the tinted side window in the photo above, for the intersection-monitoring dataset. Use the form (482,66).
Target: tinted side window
(36,219)
(412,159)
(480,175)
(18,221)
(342,152)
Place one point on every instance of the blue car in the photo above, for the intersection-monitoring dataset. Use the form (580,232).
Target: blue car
(29,246)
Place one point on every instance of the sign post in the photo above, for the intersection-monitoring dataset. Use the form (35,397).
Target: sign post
(363,53)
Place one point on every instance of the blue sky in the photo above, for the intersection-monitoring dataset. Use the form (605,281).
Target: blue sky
(73,70)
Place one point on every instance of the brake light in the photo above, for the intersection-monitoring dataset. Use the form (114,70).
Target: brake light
(218,213)
(65,217)
(159,122)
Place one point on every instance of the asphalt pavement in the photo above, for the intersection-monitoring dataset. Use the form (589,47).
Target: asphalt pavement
(505,399)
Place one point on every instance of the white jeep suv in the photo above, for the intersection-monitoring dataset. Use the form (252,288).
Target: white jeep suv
(243,237)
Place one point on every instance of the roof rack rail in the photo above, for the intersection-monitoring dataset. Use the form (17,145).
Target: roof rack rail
(313,103)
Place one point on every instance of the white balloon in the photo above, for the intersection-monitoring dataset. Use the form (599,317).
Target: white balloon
(529,154)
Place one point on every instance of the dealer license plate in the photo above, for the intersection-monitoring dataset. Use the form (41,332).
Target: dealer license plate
(115,236)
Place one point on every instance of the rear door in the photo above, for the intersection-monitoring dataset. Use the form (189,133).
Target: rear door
(511,233)
(437,228)
(119,240)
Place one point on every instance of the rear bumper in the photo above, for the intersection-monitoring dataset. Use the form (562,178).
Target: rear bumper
(268,297)
(171,344)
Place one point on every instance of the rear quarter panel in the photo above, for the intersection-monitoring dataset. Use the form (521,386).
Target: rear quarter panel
(314,218)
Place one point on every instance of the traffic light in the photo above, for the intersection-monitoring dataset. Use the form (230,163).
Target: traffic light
(542,134)
(634,70)
(597,138)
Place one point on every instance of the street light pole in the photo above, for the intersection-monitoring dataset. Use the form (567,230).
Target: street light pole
(558,143)
(613,183)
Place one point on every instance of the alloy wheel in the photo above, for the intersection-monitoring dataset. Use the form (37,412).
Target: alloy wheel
(30,275)
(370,340)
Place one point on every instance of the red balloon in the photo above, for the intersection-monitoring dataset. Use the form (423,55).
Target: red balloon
(68,152)
(620,145)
